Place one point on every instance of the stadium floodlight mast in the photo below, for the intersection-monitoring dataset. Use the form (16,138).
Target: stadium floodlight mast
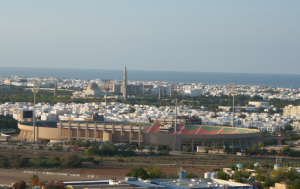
(233,92)
(36,88)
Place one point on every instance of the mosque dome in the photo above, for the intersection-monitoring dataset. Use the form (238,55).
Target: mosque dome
(92,86)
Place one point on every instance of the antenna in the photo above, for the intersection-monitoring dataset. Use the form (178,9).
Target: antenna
(36,87)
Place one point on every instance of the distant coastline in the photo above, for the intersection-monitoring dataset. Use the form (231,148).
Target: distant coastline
(209,78)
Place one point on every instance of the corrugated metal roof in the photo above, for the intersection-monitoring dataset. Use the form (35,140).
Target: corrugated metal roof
(143,184)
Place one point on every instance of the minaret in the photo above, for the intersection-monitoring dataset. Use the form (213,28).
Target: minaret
(125,84)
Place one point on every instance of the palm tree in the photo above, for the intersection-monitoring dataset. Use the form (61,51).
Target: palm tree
(168,149)
(207,148)
(141,147)
(132,147)
(151,148)
(160,148)
(218,146)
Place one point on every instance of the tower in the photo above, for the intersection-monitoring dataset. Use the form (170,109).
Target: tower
(55,89)
(143,87)
(125,84)
(159,93)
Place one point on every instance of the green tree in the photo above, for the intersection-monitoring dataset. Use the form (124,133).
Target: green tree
(286,150)
(242,116)
(160,148)
(227,150)
(261,110)
(168,150)
(222,175)
(294,185)
(132,147)
(265,133)
(89,152)
(20,185)
(19,162)
(96,162)
(288,128)
(268,182)
(78,143)
(71,161)
(218,145)
(271,111)
(240,175)
(187,148)
(4,163)
(151,148)
(155,172)
(138,173)
(132,110)
(87,143)
(141,147)
(207,148)
(53,161)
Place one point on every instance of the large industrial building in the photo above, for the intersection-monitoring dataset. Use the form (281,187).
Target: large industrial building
(140,133)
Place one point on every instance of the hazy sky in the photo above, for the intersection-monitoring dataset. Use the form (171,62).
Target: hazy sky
(205,36)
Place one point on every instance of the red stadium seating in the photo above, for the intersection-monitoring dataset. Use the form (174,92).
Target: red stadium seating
(155,128)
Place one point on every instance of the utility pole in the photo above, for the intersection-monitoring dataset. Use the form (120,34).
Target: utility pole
(175,136)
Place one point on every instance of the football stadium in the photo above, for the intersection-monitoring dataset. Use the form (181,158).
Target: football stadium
(157,134)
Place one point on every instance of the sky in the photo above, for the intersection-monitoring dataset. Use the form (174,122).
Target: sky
(168,35)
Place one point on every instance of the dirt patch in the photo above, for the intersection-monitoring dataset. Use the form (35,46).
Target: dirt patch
(108,171)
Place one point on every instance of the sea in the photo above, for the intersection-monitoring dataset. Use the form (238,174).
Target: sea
(208,78)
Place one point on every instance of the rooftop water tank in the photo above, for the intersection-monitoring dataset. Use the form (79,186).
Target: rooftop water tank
(207,175)
(181,174)
(214,175)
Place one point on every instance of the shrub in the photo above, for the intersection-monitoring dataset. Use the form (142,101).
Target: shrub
(191,175)
(41,147)
(87,158)
(96,162)
(58,148)
(71,161)
(53,161)
(19,162)
(138,173)
(4,163)
(155,172)
(173,175)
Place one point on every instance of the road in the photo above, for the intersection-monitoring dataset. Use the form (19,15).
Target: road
(9,176)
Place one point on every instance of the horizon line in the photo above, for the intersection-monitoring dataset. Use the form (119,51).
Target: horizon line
(152,70)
